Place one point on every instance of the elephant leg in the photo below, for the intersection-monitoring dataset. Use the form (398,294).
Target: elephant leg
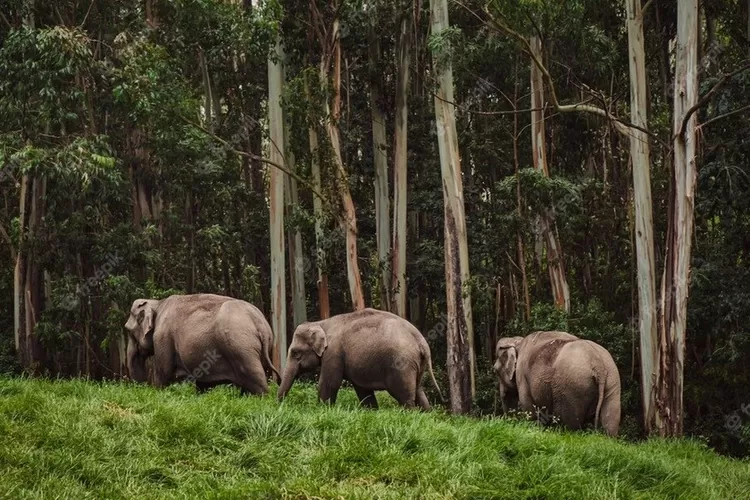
(404,390)
(571,406)
(609,417)
(329,383)
(253,380)
(422,399)
(163,365)
(366,397)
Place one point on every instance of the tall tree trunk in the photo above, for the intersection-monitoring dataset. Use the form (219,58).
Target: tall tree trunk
(348,217)
(322,284)
(675,281)
(19,276)
(555,262)
(294,236)
(400,178)
(296,258)
(276,197)
(639,153)
(519,237)
(380,160)
(460,362)
(33,288)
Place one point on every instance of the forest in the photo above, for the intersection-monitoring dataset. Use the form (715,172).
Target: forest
(482,168)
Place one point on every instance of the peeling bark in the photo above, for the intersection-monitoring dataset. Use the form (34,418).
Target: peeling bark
(460,362)
(348,217)
(400,179)
(639,153)
(675,280)
(276,197)
(555,261)
(380,161)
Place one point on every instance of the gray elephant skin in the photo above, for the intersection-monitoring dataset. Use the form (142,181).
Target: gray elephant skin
(373,350)
(562,375)
(210,339)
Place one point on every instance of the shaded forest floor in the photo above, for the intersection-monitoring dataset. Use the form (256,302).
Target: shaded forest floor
(78,439)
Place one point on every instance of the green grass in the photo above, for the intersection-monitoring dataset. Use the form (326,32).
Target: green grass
(78,439)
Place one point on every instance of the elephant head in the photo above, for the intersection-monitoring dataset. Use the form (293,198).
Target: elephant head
(506,357)
(305,354)
(140,326)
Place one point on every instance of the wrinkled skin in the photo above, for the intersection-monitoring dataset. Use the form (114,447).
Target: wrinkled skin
(374,350)
(209,339)
(555,373)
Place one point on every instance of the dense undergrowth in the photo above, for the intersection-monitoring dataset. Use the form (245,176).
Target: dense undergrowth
(79,439)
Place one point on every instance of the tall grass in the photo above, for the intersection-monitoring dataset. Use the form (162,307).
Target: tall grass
(78,439)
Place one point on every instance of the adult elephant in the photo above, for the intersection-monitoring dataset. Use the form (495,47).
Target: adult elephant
(560,375)
(206,338)
(374,350)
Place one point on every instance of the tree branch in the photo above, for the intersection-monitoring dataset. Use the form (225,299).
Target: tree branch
(621,126)
(725,115)
(466,110)
(707,96)
(257,158)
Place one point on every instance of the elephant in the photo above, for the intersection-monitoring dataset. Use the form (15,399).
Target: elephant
(205,338)
(372,349)
(566,377)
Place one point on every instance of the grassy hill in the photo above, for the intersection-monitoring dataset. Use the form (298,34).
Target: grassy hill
(77,439)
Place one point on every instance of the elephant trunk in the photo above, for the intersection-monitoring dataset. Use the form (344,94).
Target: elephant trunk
(290,373)
(136,362)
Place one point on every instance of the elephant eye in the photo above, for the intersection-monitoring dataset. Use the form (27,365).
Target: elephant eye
(296,354)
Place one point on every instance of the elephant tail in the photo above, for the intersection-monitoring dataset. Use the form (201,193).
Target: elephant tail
(432,375)
(267,360)
(601,379)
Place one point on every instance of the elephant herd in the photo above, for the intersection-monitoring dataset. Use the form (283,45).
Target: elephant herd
(212,339)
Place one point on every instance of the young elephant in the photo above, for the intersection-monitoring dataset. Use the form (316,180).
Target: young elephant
(374,350)
(573,379)
(209,339)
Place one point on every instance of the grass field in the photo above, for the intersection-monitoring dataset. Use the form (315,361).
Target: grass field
(77,439)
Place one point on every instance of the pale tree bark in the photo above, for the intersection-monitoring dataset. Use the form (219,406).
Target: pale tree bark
(322,284)
(348,217)
(675,280)
(555,262)
(276,199)
(644,233)
(323,301)
(380,161)
(400,180)
(19,276)
(460,362)
(519,238)
(294,236)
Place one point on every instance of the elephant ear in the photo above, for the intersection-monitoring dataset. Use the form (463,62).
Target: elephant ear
(508,364)
(146,318)
(507,356)
(318,340)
